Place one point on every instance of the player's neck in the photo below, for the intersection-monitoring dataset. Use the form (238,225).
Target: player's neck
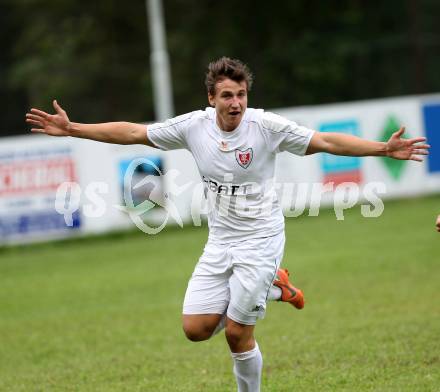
(227,126)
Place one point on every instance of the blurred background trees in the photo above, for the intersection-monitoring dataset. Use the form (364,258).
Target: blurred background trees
(94,56)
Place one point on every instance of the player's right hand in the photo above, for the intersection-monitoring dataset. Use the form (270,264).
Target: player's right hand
(438,223)
(52,124)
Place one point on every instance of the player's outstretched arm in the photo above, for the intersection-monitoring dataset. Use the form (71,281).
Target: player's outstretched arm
(396,147)
(58,124)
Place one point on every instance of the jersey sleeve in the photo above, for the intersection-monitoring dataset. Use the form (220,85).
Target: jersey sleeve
(171,134)
(286,135)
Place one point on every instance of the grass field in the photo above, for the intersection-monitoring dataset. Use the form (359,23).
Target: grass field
(103,314)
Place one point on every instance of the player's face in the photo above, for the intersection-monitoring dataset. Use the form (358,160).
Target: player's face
(230,102)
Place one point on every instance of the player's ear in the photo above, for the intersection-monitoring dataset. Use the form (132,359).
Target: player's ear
(211,100)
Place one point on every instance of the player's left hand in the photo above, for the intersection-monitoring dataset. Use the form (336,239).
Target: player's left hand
(438,223)
(406,149)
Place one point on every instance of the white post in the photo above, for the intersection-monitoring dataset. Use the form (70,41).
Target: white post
(160,66)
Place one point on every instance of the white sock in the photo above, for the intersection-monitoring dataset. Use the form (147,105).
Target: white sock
(274,293)
(247,369)
(220,326)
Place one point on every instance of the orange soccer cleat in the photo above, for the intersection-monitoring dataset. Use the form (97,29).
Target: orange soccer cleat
(289,293)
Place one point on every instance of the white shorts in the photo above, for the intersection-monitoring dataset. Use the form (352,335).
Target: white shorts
(235,278)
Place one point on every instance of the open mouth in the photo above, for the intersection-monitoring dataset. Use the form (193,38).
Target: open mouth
(234,113)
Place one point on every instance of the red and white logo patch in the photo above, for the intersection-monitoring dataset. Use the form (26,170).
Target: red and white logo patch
(244,158)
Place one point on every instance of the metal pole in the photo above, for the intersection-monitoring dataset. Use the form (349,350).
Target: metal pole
(160,66)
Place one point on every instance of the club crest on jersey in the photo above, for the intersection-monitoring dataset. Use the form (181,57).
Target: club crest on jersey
(244,158)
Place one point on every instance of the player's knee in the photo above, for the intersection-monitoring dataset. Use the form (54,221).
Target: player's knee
(196,333)
(234,335)
(239,337)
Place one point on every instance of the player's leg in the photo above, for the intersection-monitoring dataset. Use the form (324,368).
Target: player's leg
(241,318)
(255,264)
(240,337)
(199,327)
(204,307)
(280,290)
(283,290)
(207,295)
(248,361)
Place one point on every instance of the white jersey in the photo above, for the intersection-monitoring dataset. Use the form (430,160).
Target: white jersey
(236,167)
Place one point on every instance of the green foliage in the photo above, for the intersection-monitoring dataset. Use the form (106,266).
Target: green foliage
(94,56)
(104,314)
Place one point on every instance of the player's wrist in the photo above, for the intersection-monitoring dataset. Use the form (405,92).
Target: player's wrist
(74,129)
(384,149)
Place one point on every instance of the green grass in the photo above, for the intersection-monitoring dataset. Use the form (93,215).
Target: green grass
(103,314)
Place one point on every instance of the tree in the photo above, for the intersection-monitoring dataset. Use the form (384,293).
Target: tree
(94,58)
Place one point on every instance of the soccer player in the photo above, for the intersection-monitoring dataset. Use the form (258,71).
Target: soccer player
(235,148)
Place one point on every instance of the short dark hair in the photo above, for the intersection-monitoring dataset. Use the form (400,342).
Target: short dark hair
(226,67)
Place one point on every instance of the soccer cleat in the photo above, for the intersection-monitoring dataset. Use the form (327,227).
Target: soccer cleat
(289,293)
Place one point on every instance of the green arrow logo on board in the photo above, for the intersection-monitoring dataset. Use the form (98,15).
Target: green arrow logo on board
(395,167)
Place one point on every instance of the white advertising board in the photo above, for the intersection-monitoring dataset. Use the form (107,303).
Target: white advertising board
(33,167)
